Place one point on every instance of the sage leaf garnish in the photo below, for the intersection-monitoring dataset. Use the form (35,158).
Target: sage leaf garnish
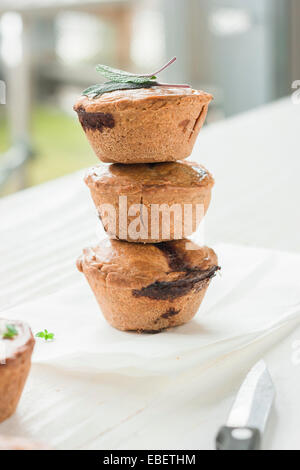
(121,80)
(97,90)
(120,76)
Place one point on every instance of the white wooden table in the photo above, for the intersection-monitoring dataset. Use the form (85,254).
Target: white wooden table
(255,161)
(254,157)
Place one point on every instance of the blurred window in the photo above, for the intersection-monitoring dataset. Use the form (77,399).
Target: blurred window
(229,21)
(79,37)
(11,27)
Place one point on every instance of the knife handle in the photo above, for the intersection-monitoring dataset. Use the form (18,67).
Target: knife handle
(229,438)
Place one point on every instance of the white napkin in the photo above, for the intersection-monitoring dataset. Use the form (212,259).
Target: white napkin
(256,292)
(92,368)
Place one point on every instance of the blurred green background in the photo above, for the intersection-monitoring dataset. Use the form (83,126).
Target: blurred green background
(244,52)
(60,146)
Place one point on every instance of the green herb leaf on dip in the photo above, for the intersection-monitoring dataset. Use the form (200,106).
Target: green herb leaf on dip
(10,332)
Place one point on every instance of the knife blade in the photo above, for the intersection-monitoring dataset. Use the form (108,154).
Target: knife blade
(249,414)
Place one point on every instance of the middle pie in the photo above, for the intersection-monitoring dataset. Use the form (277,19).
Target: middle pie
(150,202)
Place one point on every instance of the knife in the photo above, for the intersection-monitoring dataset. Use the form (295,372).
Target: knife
(249,414)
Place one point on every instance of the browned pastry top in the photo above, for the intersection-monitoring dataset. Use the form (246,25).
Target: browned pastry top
(18,344)
(148,175)
(139,266)
(122,98)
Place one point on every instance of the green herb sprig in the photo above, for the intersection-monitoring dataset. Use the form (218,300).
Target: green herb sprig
(45,334)
(121,80)
(10,332)
(107,87)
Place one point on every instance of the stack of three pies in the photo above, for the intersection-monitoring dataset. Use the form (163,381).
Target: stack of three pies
(147,275)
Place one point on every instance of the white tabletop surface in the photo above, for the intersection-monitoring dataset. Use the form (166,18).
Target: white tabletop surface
(255,161)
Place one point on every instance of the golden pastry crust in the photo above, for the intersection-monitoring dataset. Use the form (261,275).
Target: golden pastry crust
(145,125)
(176,185)
(14,366)
(148,287)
